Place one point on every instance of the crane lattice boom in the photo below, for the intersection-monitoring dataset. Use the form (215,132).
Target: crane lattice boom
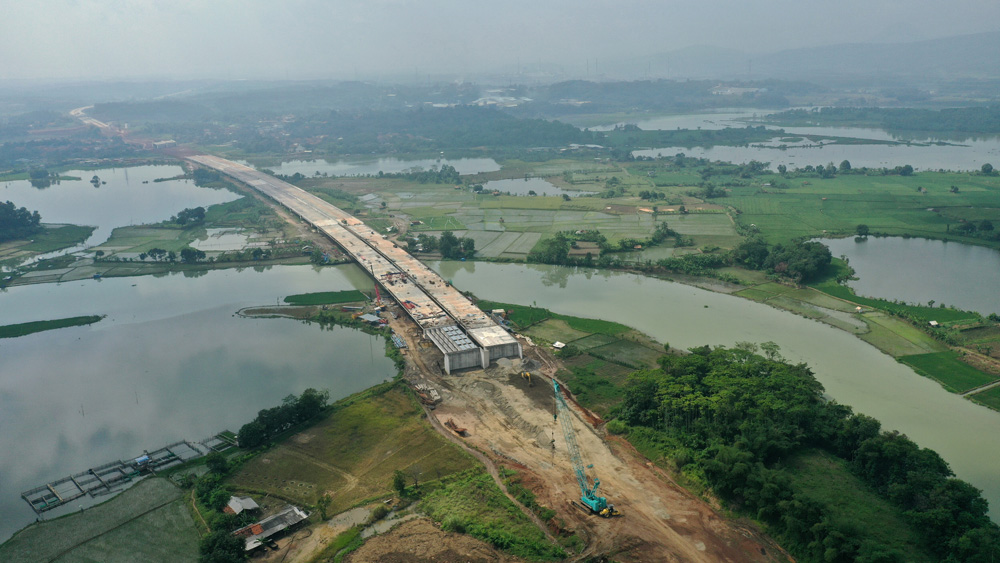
(588,493)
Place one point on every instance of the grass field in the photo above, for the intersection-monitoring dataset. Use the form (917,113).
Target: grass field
(49,239)
(887,204)
(897,337)
(56,237)
(596,383)
(352,454)
(990,398)
(822,477)
(948,370)
(926,314)
(148,522)
(470,502)
(326,298)
(24,329)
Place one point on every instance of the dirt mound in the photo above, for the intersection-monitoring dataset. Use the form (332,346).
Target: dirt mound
(419,541)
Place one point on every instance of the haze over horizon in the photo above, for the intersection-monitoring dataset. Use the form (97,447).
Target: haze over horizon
(296,39)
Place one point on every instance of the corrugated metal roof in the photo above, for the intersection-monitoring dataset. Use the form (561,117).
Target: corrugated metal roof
(450,339)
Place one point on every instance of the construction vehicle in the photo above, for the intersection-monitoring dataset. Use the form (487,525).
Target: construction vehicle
(526,375)
(591,502)
(450,423)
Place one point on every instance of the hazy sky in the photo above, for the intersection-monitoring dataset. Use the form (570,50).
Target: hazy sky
(339,38)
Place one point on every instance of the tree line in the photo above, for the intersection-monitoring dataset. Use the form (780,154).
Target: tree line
(737,418)
(800,261)
(978,119)
(18,222)
(293,410)
(446,174)
(450,246)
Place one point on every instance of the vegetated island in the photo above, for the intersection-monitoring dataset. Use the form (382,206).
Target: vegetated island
(22,234)
(24,329)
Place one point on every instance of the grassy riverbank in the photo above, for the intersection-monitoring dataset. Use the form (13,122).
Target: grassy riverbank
(49,239)
(327,298)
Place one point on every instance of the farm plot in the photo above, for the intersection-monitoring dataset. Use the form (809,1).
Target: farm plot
(702,224)
(499,245)
(946,369)
(555,330)
(627,353)
(352,454)
(147,519)
(522,246)
(989,398)
(594,341)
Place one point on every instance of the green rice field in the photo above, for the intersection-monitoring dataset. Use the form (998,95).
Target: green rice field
(946,369)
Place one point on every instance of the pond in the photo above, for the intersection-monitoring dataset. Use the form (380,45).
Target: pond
(970,155)
(224,239)
(170,362)
(517,186)
(918,270)
(853,372)
(386,165)
(129,197)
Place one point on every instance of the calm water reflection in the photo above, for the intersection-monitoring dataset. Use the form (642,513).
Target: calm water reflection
(130,197)
(917,270)
(170,362)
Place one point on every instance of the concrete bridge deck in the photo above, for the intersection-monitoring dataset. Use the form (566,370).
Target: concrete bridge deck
(429,301)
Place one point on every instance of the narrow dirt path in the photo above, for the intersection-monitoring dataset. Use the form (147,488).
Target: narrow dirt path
(352,481)
(194,508)
(491,468)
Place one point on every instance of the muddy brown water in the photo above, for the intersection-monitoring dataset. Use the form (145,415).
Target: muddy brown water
(853,372)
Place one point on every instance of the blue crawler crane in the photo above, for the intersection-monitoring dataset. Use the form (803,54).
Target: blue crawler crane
(591,502)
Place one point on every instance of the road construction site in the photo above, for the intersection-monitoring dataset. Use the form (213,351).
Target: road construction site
(510,422)
(506,420)
(466,336)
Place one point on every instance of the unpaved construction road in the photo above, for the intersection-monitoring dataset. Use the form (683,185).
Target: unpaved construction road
(513,424)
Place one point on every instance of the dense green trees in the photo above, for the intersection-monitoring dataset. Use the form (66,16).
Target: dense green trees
(738,417)
(983,119)
(18,222)
(204,176)
(449,245)
(221,546)
(552,250)
(447,174)
(190,255)
(190,216)
(293,410)
(801,261)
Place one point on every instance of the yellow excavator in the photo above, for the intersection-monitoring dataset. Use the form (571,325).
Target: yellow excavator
(526,375)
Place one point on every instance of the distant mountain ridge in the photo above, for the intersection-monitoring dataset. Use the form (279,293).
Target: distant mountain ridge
(963,56)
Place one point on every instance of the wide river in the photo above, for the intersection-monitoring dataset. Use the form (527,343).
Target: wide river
(171,361)
(853,372)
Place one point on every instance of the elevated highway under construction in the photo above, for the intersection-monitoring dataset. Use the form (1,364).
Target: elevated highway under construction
(465,335)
